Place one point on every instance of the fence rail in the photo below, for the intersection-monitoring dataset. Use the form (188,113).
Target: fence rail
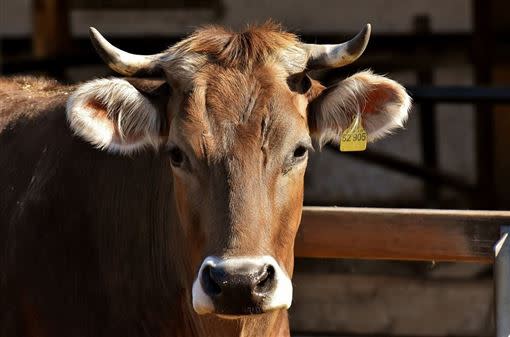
(414,234)
(400,234)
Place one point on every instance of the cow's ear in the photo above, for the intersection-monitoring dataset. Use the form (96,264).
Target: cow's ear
(120,115)
(382,103)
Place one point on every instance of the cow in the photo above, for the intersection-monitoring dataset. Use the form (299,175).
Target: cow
(166,202)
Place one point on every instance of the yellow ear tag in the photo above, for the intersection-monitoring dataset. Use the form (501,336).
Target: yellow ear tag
(354,138)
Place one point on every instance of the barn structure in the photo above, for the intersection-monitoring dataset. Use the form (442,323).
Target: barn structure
(429,203)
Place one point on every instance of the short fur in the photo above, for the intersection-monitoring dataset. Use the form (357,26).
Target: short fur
(94,243)
(255,46)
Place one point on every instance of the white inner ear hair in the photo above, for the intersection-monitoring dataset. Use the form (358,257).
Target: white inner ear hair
(388,116)
(113,115)
(350,98)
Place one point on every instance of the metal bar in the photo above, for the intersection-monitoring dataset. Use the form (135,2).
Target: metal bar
(502,283)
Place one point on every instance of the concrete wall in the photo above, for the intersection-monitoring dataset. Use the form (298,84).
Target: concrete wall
(390,306)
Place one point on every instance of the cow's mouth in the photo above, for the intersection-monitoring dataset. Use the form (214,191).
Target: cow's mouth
(241,286)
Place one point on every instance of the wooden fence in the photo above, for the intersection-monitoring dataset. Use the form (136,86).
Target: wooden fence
(413,234)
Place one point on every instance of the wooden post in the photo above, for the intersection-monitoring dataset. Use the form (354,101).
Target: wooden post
(501,76)
(483,45)
(428,134)
(51,32)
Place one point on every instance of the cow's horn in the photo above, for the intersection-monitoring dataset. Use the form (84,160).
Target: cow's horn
(122,62)
(337,55)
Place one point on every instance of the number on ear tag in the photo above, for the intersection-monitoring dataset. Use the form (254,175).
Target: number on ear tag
(354,138)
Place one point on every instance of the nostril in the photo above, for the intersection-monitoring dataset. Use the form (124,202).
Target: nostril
(210,286)
(266,280)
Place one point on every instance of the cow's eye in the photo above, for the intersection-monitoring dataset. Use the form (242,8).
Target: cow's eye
(300,152)
(176,156)
(298,155)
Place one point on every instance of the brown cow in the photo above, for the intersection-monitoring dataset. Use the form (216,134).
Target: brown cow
(169,206)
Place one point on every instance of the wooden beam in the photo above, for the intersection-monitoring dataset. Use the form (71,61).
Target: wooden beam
(502,141)
(483,49)
(51,32)
(143,4)
(399,234)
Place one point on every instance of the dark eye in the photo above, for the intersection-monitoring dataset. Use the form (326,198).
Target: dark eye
(297,156)
(176,156)
(300,152)
(299,83)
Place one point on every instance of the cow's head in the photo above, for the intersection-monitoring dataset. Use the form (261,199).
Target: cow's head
(235,114)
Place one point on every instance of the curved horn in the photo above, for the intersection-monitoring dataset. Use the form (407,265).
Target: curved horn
(337,55)
(122,62)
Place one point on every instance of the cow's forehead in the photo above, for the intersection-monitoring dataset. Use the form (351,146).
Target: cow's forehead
(234,86)
(239,97)
(227,107)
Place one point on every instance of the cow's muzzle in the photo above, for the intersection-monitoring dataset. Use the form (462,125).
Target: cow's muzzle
(241,286)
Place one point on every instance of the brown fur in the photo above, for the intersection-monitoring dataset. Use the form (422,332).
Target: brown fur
(253,46)
(107,256)
(97,244)
(236,198)
(248,49)
(28,92)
